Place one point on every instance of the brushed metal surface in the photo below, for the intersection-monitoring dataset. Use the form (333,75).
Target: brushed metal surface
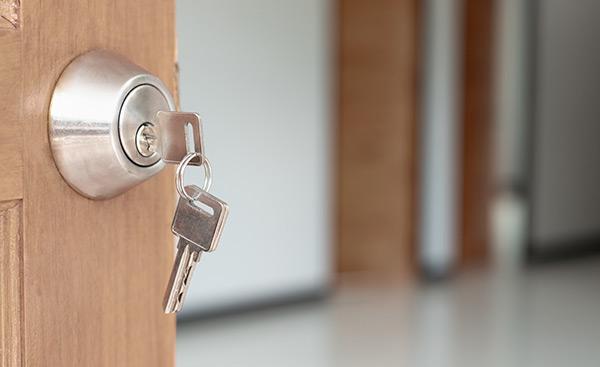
(84,123)
(174,140)
(198,223)
(140,107)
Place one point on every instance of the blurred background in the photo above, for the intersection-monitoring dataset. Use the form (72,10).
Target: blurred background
(411,182)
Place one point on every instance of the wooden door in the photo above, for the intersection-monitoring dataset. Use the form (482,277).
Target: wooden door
(477,129)
(81,280)
(377,122)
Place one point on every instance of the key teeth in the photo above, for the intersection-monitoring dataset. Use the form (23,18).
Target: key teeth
(181,275)
(175,279)
(171,309)
(198,232)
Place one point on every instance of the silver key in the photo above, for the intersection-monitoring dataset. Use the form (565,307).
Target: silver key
(180,133)
(185,263)
(199,231)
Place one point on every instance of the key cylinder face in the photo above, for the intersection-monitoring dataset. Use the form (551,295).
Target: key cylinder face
(140,107)
(98,104)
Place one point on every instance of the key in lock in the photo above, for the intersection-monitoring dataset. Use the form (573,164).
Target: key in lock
(114,125)
(171,136)
(104,114)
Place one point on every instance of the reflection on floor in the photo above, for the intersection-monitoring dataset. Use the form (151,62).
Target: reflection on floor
(545,316)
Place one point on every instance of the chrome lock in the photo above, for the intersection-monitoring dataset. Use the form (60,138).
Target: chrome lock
(113,125)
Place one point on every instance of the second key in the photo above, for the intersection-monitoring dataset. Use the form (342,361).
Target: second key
(198,224)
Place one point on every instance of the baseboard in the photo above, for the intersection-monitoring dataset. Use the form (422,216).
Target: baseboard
(563,249)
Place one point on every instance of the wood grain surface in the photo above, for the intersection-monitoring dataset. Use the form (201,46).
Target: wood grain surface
(11,287)
(9,14)
(11,138)
(93,272)
(477,183)
(377,127)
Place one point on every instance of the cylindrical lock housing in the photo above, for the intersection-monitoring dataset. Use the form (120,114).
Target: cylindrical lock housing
(99,104)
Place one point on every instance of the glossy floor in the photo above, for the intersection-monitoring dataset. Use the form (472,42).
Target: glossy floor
(543,316)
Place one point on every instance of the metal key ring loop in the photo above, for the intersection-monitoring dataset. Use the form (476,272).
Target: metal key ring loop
(181,171)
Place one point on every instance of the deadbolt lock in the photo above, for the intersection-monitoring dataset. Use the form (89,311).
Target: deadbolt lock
(112,125)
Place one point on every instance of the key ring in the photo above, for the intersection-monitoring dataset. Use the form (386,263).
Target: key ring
(181,170)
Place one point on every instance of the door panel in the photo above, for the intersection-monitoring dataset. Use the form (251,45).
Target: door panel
(11,265)
(10,127)
(93,272)
(377,135)
(476,129)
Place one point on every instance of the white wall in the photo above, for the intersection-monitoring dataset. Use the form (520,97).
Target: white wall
(258,73)
(566,183)
(512,96)
(440,134)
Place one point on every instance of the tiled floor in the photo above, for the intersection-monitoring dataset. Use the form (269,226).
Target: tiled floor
(545,316)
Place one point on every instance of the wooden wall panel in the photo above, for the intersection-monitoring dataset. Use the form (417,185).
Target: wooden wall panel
(11,139)
(11,290)
(477,167)
(377,127)
(11,180)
